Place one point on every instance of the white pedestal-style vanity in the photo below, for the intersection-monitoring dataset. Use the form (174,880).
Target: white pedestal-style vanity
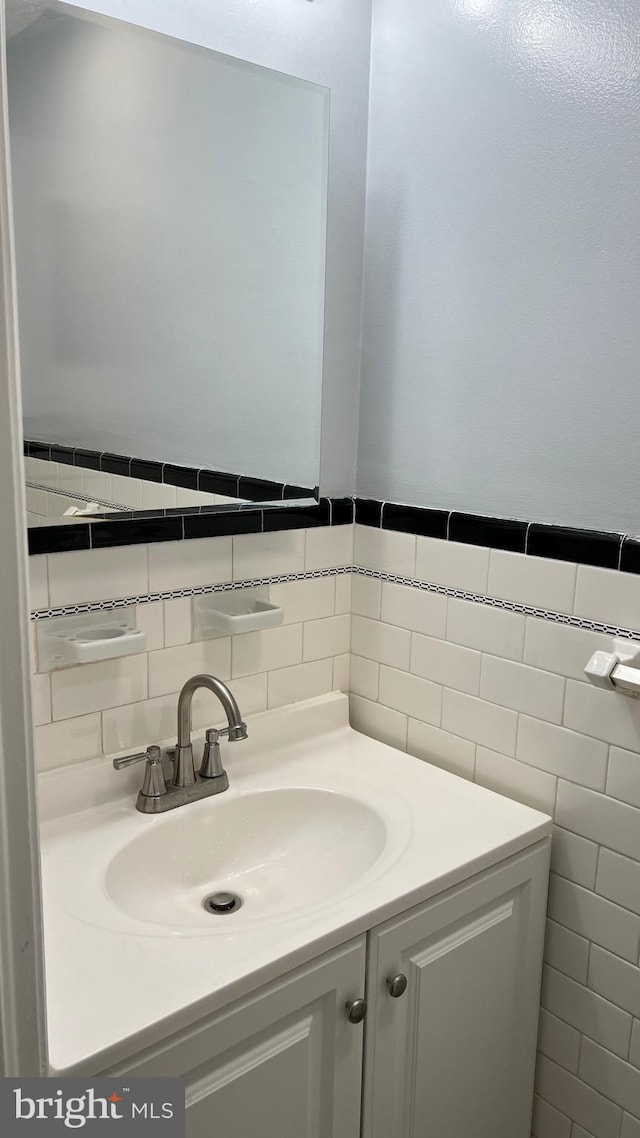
(379,975)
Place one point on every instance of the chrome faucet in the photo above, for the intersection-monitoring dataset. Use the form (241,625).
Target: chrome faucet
(185,785)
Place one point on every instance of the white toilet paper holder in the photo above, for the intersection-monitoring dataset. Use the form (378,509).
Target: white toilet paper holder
(618,670)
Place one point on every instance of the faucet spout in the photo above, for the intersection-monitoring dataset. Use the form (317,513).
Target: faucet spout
(184,773)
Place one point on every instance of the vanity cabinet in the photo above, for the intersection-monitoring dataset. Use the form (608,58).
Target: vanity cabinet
(284,1063)
(452,1053)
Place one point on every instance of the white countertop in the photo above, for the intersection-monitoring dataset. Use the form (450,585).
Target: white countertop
(111,992)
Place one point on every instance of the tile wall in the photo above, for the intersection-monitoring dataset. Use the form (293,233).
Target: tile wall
(495,694)
(499,696)
(111,706)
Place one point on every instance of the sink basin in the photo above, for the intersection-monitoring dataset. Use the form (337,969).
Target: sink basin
(278,850)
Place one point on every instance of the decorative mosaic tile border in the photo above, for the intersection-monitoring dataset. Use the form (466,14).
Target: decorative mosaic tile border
(195,591)
(375,574)
(78,496)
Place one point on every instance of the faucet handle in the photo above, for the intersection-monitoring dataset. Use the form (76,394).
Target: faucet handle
(129,760)
(211,765)
(154,781)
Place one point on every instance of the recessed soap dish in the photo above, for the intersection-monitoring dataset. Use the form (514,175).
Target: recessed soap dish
(228,614)
(85,639)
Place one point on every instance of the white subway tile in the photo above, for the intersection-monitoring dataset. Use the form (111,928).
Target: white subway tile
(364,677)
(38,583)
(378,722)
(126,491)
(608,1074)
(623,776)
(137,725)
(549,1122)
(608,596)
(268,554)
(250,693)
(561,648)
(515,780)
(170,668)
(342,673)
(70,478)
(441,748)
(289,685)
(97,482)
(69,741)
(328,547)
(188,564)
(97,574)
(366,596)
(558,1041)
(415,609)
(385,550)
(489,630)
(150,620)
(381,642)
(445,663)
(532,580)
(482,722)
(157,496)
(93,687)
(630,1127)
(574,857)
(309,599)
(270,648)
(619,879)
(522,688)
(177,622)
(567,952)
(452,563)
(594,918)
(343,587)
(602,819)
(616,980)
(562,752)
(577,1100)
(330,636)
(411,695)
(41,698)
(605,715)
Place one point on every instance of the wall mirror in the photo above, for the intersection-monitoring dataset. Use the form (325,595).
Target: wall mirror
(170,224)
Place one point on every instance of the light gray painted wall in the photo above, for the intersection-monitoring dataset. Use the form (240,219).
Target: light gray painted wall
(502,338)
(328,43)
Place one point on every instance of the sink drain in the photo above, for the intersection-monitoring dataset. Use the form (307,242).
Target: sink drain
(220,903)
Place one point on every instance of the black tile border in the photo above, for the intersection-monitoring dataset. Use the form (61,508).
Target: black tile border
(561,543)
(187,477)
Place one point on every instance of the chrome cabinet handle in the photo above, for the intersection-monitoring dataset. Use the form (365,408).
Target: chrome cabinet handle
(397,985)
(356,1010)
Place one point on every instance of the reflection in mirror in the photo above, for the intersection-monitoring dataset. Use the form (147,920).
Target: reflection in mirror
(170,217)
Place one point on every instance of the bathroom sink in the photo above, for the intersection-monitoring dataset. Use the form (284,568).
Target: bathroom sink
(276,850)
(323,833)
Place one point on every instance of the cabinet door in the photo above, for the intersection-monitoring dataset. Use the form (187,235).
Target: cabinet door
(284,1063)
(454,1056)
